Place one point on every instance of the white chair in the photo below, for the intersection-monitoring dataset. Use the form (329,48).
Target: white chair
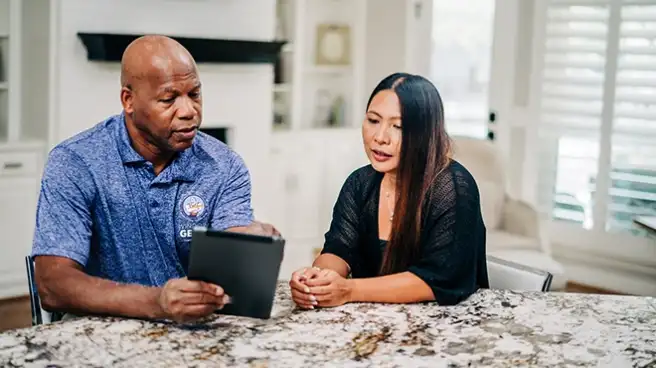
(507,275)
(515,231)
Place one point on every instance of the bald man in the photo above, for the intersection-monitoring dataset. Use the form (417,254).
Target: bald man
(119,200)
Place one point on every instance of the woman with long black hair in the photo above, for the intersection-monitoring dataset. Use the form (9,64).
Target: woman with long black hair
(408,227)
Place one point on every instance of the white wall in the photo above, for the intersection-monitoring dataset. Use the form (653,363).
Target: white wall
(397,38)
(238,96)
(419,36)
(385,40)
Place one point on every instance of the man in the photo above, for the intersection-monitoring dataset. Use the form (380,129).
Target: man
(118,201)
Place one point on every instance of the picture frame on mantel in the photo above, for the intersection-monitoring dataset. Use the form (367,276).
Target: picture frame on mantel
(333,45)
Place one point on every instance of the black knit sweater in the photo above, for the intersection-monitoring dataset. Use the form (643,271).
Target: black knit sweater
(452,260)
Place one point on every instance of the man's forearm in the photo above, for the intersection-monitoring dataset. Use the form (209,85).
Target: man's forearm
(332,262)
(402,287)
(71,290)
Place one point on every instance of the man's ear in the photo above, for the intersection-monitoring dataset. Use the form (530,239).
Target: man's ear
(127,99)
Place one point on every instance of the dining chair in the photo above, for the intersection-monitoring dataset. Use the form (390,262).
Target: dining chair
(509,275)
(39,315)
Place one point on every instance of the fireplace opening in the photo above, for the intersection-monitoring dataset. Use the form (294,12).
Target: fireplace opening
(218,133)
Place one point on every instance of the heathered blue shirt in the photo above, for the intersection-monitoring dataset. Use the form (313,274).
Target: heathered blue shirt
(102,205)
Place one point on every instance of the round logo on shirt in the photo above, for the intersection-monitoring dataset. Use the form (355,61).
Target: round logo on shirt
(193,206)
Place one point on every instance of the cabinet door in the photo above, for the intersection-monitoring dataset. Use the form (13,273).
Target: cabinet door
(18,199)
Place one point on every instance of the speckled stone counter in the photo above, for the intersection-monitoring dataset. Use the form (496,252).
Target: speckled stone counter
(492,328)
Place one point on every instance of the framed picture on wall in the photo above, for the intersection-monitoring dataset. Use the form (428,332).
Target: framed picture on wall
(333,44)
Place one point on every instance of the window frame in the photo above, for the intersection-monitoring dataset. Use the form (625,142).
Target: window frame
(568,238)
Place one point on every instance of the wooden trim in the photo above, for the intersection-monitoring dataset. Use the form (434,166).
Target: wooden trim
(575,287)
(14,299)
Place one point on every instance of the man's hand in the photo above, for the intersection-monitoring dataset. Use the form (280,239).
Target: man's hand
(329,288)
(257,228)
(300,291)
(183,300)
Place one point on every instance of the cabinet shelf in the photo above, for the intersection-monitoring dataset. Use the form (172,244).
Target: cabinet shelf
(328,70)
(318,90)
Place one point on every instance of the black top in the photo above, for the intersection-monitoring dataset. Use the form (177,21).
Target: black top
(452,260)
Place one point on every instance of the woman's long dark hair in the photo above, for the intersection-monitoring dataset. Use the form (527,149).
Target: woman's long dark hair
(425,152)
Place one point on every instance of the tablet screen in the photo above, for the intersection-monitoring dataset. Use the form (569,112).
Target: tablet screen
(246,266)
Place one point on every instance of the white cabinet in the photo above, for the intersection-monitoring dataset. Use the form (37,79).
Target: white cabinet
(20,172)
(24,89)
(320,77)
(24,78)
(311,167)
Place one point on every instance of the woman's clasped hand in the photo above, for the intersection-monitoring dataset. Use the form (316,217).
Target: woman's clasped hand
(315,287)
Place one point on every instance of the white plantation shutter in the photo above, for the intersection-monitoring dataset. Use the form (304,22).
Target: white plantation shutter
(598,112)
(632,188)
(574,65)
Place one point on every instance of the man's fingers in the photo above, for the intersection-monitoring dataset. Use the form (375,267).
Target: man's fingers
(202,298)
(260,228)
(199,310)
(201,286)
(268,229)
(272,229)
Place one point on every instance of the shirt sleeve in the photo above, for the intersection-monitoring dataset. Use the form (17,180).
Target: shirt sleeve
(64,209)
(233,207)
(343,237)
(455,239)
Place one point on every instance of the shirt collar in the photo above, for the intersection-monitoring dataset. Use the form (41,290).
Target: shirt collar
(128,154)
(180,169)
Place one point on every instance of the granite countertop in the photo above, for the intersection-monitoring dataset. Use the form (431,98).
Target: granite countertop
(492,328)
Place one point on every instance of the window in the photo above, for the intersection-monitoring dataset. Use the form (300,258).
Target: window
(598,113)
(460,63)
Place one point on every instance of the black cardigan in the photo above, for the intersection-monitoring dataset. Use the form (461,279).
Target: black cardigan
(452,260)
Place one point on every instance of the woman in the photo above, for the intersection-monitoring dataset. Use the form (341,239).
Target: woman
(408,227)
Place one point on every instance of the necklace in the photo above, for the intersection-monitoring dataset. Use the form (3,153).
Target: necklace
(389,207)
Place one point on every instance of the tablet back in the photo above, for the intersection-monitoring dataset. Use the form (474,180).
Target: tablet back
(245,266)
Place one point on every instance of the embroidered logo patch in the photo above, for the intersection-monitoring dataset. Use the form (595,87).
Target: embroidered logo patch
(193,206)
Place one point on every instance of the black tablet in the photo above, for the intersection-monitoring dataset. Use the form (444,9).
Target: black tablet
(245,266)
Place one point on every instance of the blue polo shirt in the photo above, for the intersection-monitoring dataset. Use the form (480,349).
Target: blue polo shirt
(102,205)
